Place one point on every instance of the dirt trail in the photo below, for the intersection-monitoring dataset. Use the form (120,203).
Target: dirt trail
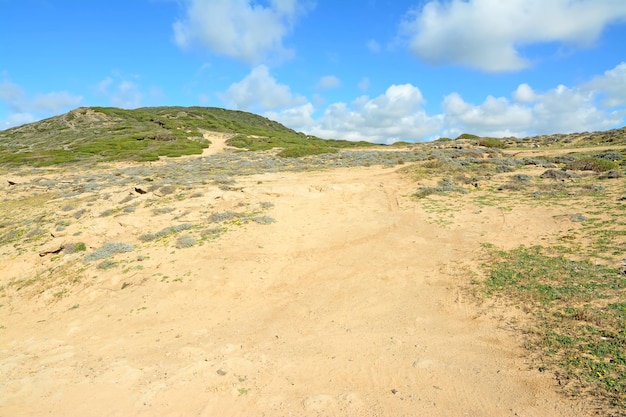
(218,142)
(350,304)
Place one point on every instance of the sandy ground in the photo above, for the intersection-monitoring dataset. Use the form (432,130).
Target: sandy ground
(353,303)
(218,142)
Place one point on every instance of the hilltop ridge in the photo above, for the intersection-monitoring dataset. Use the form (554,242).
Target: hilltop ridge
(145,134)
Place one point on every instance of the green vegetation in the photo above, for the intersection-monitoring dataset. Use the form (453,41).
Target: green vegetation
(109,249)
(294,144)
(467,136)
(74,247)
(185,241)
(580,313)
(592,164)
(145,134)
(446,185)
(491,143)
(166,232)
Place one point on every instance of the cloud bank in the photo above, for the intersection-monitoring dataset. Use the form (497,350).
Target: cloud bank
(487,34)
(240,29)
(120,92)
(24,108)
(399,113)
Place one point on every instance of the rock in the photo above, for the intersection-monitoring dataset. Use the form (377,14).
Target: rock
(51,251)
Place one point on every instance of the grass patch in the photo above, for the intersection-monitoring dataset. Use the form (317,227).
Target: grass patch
(591,164)
(491,143)
(446,185)
(580,313)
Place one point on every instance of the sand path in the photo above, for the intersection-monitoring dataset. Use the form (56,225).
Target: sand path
(350,304)
(218,142)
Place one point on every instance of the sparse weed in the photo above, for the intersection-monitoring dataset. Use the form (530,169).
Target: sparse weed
(70,248)
(446,185)
(107,264)
(263,219)
(185,241)
(109,249)
(212,233)
(580,328)
(165,232)
(224,216)
(162,210)
(591,164)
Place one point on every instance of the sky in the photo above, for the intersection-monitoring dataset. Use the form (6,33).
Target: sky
(375,70)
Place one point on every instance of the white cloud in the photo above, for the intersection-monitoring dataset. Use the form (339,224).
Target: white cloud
(373,46)
(12,94)
(26,109)
(399,113)
(16,119)
(328,81)
(260,91)
(241,29)
(596,105)
(395,115)
(364,84)
(298,117)
(55,102)
(486,34)
(565,110)
(611,85)
(494,117)
(120,92)
(524,94)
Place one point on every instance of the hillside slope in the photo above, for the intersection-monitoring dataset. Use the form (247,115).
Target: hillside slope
(145,134)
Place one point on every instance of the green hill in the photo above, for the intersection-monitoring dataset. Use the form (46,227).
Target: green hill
(145,134)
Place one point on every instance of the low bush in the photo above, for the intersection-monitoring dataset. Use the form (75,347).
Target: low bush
(555,174)
(263,219)
(467,136)
(109,249)
(445,185)
(491,143)
(591,164)
(212,232)
(612,174)
(74,247)
(185,241)
(165,232)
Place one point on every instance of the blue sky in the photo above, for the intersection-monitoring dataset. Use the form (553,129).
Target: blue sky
(375,70)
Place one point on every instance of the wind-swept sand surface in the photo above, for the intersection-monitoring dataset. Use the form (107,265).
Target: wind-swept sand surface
(354,302)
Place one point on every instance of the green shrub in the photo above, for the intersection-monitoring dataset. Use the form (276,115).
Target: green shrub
(74,247)
(224,216)
(185,241)
(491,143)
(263,220)
(467,136)
(212,232)
(165,232)
(109,249)
(300,151)
(107,264)
(591,164)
